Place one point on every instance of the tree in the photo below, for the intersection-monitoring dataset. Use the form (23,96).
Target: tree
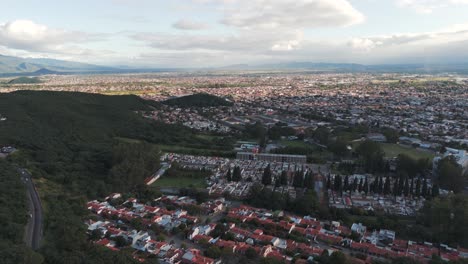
(266,178)
(371,155)
(96,234)
(120,241)
(256,130)
(380,187)
(339,147)
(338,257)
(411,190)
(337,183)
(228,175)
(366,186)
(321,135)
(424,192)
(391,135)
(250,253)
(213,252)
(309,180)
(417,190)
(386,189)
(406,188)
(284,178)
(298,179)
(355,184)
(346,183)
(361,185)
(236,174)
(395,187)
(449,174)
(446,217)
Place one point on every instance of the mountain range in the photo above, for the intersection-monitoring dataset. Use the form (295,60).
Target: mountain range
(10,65)
(17,66)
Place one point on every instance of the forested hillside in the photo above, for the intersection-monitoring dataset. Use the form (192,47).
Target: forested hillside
(69,143)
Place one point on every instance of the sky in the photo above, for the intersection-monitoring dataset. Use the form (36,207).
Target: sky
(212,33)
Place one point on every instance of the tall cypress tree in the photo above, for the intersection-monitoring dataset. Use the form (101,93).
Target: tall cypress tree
(386,189)
(337,183)
(411,190)
(395,187)
(406,187)
(266,178)
(380,187)
(424,192)
(228,175)
(366,186)
(346,184)
(237,174)
(417,191)
(284,178)
(355,185)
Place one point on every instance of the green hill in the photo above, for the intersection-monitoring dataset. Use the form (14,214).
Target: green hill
(198,100)
(69,142)
(24,80)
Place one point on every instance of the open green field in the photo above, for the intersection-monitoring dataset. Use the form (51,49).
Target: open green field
(178,177)
(393,150)
(179,182)
(294,143)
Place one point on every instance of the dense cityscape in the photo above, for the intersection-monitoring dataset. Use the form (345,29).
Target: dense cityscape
(332,154)
(234,132)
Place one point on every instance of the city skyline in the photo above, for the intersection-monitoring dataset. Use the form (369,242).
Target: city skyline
(212,33)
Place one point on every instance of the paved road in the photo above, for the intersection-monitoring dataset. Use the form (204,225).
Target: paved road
(33,234)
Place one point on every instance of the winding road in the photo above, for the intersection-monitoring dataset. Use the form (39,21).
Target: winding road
(33,234)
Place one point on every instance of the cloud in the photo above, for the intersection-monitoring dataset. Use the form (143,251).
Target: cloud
(30,36)
(244,40)
(295,14)
(185,24)
(263,46)
(428,6)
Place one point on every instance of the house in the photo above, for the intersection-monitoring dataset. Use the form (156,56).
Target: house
(139,240)
(194,256)
(279,243)
(358,228)
(201,230)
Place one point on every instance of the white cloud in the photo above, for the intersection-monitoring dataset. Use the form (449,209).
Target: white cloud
(185,24)
(428,6)
(30,36)
(272,14)
(363,44)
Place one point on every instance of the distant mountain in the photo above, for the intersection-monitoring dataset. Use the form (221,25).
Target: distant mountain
(10,65)
(354,67)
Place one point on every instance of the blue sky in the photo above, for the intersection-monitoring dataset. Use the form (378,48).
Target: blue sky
(191,33)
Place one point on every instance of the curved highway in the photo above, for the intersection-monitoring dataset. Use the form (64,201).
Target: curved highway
(33,234)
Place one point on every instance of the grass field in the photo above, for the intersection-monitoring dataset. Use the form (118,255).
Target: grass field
(393,150)
(180,178)
(179,182)
(295,143)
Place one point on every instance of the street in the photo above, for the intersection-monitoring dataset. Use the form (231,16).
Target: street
(33,234)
